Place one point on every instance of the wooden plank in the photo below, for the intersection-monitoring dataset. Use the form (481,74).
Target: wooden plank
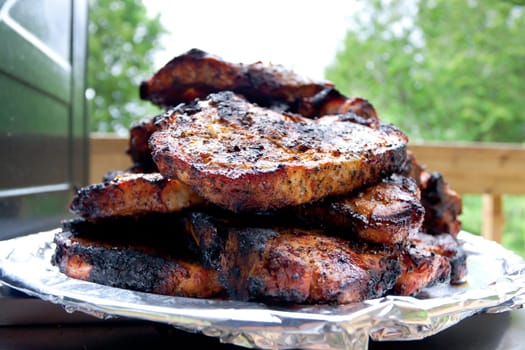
(476,167)
(493,219)
(108,153)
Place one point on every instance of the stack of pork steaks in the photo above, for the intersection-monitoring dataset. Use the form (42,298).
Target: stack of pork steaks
(257,184)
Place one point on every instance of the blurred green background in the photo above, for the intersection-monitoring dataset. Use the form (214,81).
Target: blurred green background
(440,70)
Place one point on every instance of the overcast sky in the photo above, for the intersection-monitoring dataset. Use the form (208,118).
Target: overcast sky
(300,35)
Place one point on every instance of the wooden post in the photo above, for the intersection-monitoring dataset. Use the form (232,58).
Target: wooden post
(492,216)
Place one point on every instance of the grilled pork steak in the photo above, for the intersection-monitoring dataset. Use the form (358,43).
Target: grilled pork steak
(243,157)
(196,73)
(354,110)
(298,266)
(385,213)
(443,205)
(285,264)
(120,253)
(292,265)
(420,269)
(448,246)
(133,194)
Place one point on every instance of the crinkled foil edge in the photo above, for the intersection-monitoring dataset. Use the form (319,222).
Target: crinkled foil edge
(496,283)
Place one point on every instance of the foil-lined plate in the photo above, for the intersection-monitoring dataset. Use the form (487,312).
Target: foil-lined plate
(495,283)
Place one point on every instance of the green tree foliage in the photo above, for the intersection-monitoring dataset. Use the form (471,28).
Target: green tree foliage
(121,47)
(441,70)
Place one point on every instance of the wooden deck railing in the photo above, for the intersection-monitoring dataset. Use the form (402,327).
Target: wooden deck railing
(479,168)
(470,168)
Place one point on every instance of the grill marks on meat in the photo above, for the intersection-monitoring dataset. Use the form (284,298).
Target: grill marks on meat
(385,213)
(243,157)
(133,194)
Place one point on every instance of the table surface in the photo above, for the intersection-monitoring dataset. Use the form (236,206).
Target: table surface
(32,323)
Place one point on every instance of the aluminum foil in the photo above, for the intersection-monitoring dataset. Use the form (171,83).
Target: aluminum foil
(496,283)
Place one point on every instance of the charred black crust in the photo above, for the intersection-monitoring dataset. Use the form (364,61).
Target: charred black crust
(124,268)
(165,233)
(197,53)
(253,240)
(210,238)
(143,90)
(458,267)
(382,281)
(442,206)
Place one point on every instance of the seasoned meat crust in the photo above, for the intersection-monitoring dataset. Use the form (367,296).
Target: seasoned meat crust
(204,253)
(387,213)
(420,269)
(138,149)
(448,246)
(443,205)
(243,157)
(290,264)
(296,266)
(133,267)
(133,194)
(196,73)
(384,213)
(355,110)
